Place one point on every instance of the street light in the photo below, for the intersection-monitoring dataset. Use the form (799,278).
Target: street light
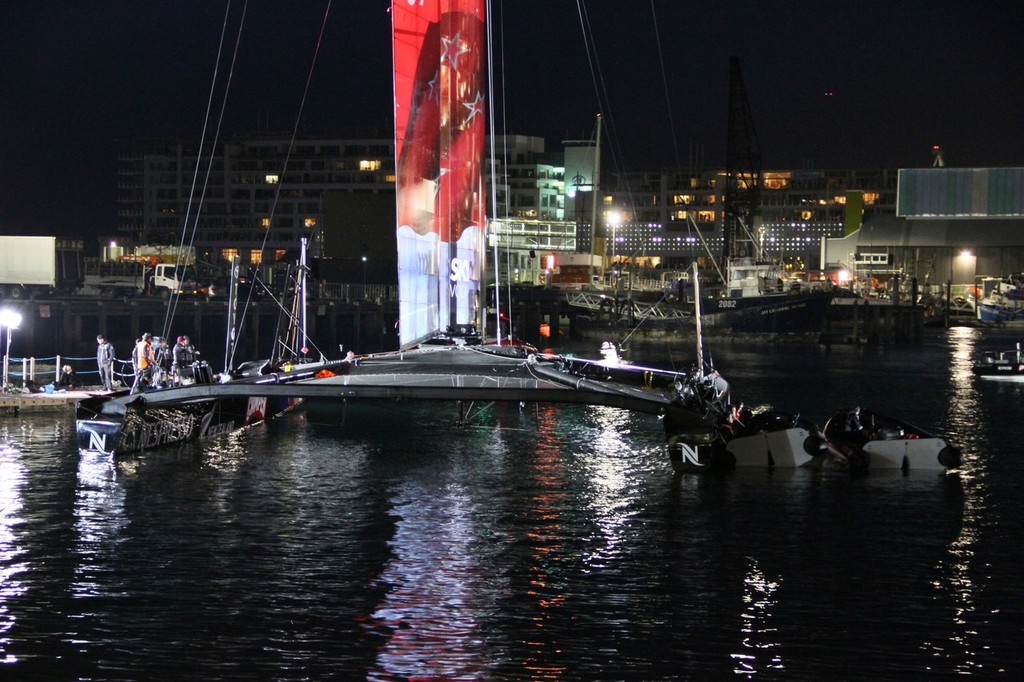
(614,220)
(11,320)
(364,275)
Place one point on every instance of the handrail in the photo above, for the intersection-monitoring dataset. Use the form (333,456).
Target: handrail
(46,370)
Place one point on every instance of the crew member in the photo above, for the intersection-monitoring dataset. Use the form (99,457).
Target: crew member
(66,382)
(162,367)
(144,361)
(105,362)
(183,355)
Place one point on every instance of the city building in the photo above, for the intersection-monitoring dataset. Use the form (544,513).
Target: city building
(951,227)
(258,194)
(670,219)
(226,203)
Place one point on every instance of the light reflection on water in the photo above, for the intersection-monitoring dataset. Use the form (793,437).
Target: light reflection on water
(760,640)
(99,524)
(967,410)
(12,480)
(554,542)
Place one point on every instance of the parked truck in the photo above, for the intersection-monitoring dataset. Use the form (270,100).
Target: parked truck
(47,266)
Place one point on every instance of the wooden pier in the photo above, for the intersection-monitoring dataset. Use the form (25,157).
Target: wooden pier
(15,404)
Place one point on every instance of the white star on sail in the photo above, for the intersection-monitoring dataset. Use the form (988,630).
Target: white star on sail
(475,107)
(460,49)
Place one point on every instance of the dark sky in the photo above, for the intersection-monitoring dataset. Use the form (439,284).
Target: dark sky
(831,84)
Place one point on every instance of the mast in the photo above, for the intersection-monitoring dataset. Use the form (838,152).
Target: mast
(492,232)
(302,292)
(696,312)
(593,194)
(231,338)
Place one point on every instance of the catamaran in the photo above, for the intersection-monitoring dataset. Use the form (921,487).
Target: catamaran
(445,353)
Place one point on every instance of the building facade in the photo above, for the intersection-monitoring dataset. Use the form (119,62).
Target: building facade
(257,195)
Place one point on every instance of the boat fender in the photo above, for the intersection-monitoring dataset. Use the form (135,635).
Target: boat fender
(814,445)
(950,457)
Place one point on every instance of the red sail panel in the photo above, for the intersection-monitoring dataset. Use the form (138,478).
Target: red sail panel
(460,210)
(439,51)
(416,44)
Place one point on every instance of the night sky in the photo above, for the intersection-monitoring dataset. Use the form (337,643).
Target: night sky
(831,84)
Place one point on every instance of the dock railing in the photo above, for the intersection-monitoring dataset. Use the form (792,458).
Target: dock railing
(26,373)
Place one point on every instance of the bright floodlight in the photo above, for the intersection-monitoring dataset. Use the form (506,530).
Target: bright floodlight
(10,319)
(966,253)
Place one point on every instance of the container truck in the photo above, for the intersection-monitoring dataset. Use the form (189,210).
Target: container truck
(47,266)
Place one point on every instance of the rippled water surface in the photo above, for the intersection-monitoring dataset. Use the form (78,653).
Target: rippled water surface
(380,542)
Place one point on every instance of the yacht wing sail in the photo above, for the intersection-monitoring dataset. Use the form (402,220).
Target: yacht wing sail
(439,57)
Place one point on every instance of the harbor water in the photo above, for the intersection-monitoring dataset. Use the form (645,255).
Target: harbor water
(382,542)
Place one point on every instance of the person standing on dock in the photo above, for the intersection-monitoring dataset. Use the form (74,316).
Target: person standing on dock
(105,362)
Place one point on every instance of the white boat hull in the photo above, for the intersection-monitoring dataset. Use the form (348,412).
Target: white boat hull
(787,448)
(905,454)
(867,440)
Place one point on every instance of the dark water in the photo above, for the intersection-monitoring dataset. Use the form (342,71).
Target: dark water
(379,543)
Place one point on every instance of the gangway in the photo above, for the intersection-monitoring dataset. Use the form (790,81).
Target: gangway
(625,306)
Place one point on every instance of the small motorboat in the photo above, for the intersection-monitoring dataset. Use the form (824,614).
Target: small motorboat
(776,439)
(869,440)
(1007,365)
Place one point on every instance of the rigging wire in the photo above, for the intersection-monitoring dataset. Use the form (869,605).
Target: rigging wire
(671,118)
(604,103)
(178,269)
(284,168)
(494,176)
(664,84)
(494,190)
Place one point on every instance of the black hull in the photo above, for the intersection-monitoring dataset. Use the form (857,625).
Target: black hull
(1002,366)
(689,404)
(1000,372)
(143,427)
(768,314)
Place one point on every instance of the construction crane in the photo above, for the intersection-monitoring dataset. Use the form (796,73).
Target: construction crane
(742,195)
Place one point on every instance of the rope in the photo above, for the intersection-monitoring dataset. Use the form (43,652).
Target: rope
(230,359)
(172,308)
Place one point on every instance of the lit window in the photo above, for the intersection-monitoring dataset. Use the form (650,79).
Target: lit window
(310,223)
(272,179)
(228,254)
(265,223)
(370,165)
(255,256)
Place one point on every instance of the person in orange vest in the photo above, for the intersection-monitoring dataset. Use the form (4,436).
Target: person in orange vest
(144,361)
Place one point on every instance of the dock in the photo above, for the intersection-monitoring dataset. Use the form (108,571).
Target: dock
(15,404)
